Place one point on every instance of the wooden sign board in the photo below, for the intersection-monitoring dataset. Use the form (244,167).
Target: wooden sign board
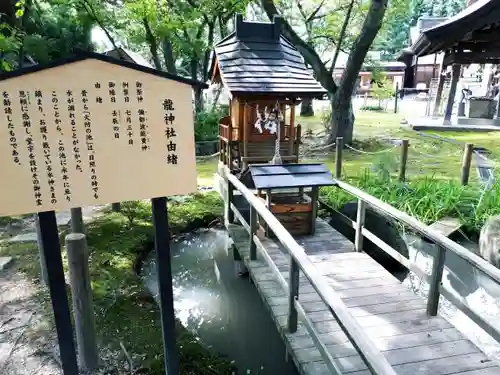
(92,132)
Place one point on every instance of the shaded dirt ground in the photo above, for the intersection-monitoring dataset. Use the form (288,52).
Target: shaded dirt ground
(26,346)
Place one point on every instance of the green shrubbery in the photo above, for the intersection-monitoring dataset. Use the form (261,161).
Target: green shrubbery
(207,123)
(428,199)
(125,312)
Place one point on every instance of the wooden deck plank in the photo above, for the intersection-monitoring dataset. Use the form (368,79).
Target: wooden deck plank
(391,315)
(447,225)
(460,364)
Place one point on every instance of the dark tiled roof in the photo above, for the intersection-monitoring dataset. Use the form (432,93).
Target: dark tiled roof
(257,59)
(482,15)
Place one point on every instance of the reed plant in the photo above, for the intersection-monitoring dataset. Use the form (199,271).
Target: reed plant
(426,198)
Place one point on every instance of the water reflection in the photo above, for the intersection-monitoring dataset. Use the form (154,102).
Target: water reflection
(480,293)
(220,307)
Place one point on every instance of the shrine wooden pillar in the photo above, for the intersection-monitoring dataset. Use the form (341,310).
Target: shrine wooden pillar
(455,76)
(498,107)
(439,92)
(245,128)
(291,132)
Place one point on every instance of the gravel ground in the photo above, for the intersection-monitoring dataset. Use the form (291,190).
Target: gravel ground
(26,345)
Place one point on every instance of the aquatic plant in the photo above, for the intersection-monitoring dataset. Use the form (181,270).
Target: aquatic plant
(426,198)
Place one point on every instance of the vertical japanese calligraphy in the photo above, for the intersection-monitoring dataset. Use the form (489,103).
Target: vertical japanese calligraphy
(12,139)
(138,91)
(93,133)
(24,101)
(98,98)
(72,119)
(130,132)
(170,133)
(114,113)
(61,150)
(89,141)
(47,152)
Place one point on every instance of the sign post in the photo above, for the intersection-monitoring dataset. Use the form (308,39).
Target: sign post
(92,130)
(57,287)
(164,272)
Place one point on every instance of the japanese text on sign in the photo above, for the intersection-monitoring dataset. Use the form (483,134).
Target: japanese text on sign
(114,138)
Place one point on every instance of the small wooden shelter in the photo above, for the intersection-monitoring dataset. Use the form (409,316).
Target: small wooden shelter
(265,75)
(290,192)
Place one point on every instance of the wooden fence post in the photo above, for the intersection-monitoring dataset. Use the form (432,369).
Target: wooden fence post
(396,98)
(81,294)
(360,223)
(77,220)
(339,143)
(404,159)
(253,230)
(466,162)
(435,281)
(293,293)
(230,199)
(43,263)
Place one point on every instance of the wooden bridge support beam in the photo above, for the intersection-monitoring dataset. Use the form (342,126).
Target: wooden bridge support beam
(435,281)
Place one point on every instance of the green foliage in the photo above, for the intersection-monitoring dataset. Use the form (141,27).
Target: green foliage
(403,14)
(47,30)
(135,211)
(373,108)
(382,90)
(428,199)
(207,123)
(124,310)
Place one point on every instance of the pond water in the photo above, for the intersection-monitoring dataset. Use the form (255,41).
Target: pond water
(481,294)
(222,308)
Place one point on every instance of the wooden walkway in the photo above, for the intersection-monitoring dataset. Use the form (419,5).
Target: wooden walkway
(393,317)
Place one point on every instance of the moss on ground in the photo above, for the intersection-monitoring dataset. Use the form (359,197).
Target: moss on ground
(125,312)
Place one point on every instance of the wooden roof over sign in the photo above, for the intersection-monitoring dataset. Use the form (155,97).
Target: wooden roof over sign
(468,37)
(257,59)
(81,55)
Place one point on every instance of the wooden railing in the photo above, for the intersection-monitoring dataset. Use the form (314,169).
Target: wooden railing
(299,262)
(443,243)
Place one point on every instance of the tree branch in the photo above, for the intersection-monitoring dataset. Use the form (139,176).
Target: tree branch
(309,54)
(313,15)
(153,45)
(369,30)
(341,36)
(92,13)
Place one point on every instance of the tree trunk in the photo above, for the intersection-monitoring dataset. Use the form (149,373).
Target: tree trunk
(198,92)
(342,112)
(342,119)
(153,45)
(168,56)
(306,108)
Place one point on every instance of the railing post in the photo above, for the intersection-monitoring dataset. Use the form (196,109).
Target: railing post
(466,162)
(404,159)
(360,223)
(396,98)
(253,230)
(339,143)
(293,294)
(230,199)
(435,281)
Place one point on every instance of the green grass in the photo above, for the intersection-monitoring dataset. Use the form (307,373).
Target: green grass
(426,199)
(124,310)
(427,157)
